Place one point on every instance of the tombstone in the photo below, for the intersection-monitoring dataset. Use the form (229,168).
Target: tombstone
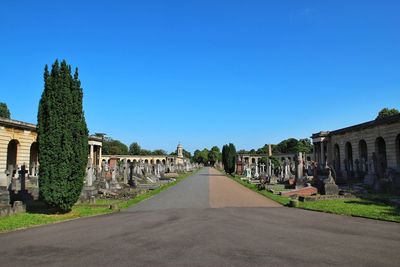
(371,176)
(329,186)
(256,174)
(299,166)
(269,168)
(89,175)
(248,173)
(125,172)
(113,174)
(22,175)
(357,169)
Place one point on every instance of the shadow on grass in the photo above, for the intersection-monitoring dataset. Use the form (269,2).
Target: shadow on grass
(39,207)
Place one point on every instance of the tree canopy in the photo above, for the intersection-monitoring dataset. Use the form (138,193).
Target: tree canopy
(385,112)
(4,111)
(114,147)
(229,158)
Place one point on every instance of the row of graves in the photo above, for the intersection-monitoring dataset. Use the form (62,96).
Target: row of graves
(299,177)
(117,179)
(122,179)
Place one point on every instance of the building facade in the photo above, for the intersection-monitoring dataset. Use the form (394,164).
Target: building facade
(370,149)
(18,147)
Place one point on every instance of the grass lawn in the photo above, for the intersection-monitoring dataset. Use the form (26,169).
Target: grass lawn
(39,216)
(355,207)
(358,207)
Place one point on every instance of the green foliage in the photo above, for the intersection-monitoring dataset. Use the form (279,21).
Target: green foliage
(292,145)
(229,158)
(159,152)
(134,149)
(4,111)
(114,147)
(385,112)
(201,157)
(62,138)
(187,154)
(214,155)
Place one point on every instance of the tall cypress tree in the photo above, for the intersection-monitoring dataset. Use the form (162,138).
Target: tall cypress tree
(231,158)
(62,138)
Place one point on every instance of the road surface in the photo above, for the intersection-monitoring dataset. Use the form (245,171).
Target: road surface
(207,220)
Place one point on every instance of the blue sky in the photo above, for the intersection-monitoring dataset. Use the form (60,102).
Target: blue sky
(207,72)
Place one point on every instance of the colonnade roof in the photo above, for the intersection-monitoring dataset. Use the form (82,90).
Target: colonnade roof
(359,127)
(17,124)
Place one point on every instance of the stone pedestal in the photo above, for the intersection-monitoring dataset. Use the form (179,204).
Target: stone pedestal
(4,196)
(88,192)
(329,188)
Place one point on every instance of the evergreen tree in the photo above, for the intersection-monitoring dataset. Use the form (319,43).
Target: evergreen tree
(62,138)
(229,158)
(4,111)
(232,158)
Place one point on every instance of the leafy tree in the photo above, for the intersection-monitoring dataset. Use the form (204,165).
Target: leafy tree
(201,157)
(287,146)
(214,155)
(4,111)
(62,137)
(114,147)
(229,158)
(134,149)
(385,112)
(159,152)
(304,145)
(187,154)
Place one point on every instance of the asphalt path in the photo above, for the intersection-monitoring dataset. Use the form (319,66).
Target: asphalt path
(178,227)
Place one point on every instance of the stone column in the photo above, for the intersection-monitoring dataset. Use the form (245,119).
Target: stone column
(100,154)
(92,155)
(322,154)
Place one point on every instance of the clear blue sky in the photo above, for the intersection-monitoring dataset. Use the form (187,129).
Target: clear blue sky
(207,72)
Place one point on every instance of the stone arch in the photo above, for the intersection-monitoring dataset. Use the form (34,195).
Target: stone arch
(151,161)
(348,149)
(398,151)
(381,160)
(253,160)
(146,161)
(33,159)
(12,152)
(158,161)
(363,150)
(163,161)
(336,158)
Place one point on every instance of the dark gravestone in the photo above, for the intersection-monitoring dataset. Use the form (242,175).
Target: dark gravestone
(329,186)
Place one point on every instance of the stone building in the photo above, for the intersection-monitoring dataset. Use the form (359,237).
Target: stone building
(368,151)
(18,147)
(179,159)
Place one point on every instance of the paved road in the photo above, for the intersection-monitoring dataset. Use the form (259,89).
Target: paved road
(178,228)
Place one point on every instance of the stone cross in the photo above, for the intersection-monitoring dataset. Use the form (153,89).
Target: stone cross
(22,173)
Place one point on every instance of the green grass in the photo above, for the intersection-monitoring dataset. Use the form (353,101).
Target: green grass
(355,207)
(371,208)
(277,198)
(38,215)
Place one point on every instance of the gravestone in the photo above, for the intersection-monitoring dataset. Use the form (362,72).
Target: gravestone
(371,176)
(329,186)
